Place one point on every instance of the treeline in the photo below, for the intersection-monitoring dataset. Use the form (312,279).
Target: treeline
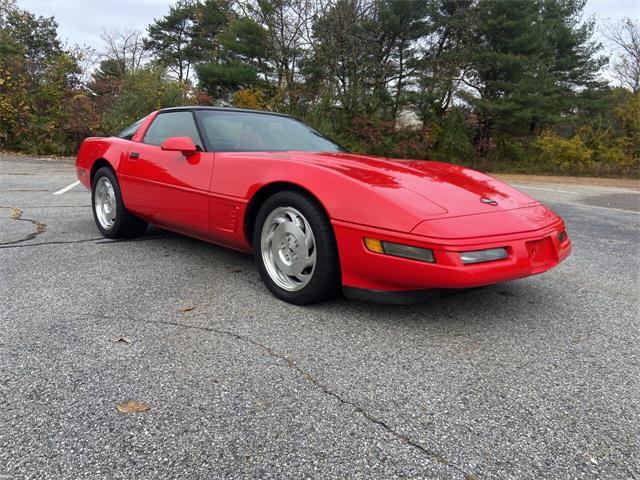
(497,84)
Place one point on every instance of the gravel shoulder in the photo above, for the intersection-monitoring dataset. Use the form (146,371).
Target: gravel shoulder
(628,183)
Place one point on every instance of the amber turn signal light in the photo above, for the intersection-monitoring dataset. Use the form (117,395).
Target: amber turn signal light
(373,245)
(399,250)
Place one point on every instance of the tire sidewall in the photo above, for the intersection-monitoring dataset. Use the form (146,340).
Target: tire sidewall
(318,287)
(112,232)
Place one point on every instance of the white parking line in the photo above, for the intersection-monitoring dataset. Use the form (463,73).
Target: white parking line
(67,188)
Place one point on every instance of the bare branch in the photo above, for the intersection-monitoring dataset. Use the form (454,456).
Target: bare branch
(125,46)
(624,36)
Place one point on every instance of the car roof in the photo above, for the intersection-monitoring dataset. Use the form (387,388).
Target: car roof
(221,109)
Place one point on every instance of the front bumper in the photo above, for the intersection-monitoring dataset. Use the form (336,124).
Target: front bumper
(529,253)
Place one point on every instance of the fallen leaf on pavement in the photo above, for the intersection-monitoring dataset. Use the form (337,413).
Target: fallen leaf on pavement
(186,309)
(132,406)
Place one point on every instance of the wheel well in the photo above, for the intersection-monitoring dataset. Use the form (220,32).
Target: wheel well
(98,164)
(261,196)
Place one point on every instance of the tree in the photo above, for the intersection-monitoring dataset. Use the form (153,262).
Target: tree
(126,47)
(245,40)
(287,24)
(170,39)
(110,69)
(210,20)
(342,63)
(401,24)
(526,62)
(625,37)
(239,62)
(36,36)
(366,53)
(440,58)
(39,82)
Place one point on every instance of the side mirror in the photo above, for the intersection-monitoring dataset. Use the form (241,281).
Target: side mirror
(179,144)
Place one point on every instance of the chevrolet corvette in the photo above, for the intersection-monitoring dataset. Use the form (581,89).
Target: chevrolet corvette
(318,219)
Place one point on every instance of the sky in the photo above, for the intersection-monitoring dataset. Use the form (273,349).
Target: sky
(82,21)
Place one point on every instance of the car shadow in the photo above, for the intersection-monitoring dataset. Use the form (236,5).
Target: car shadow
(501,299)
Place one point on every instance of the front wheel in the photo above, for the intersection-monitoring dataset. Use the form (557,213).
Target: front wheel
(112,218)
(295,249)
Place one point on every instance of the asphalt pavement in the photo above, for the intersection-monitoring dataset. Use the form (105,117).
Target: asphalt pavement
(536,378)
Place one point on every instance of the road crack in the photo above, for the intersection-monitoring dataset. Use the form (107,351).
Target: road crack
(24,190)
(16,214)
(324,388)
(96,241)
(60,242)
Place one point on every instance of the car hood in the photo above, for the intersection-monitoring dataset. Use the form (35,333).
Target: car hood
(451,190)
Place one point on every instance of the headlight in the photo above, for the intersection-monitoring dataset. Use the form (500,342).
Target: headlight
(479,256)
(399,250)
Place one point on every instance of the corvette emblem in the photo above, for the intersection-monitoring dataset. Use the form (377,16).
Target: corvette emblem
(488,201)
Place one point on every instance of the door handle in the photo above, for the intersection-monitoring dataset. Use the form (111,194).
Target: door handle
(134,155)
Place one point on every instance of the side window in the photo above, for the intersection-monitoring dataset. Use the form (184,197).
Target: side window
(131,130)
(172,124)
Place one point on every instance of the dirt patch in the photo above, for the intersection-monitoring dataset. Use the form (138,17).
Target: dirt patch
(593,181)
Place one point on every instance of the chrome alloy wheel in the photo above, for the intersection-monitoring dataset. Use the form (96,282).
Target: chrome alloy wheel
(288,248)
(105,203)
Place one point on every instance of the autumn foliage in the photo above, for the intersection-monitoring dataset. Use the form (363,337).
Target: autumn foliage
(501,86)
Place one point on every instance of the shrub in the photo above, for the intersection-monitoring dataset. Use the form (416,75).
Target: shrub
(566,155)
(384,138)
(252,98)
(452,140)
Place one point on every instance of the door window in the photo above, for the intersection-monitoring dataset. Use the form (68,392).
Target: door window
(172,124)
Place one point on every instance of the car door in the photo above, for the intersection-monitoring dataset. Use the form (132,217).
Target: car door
(168,188)
(234,144)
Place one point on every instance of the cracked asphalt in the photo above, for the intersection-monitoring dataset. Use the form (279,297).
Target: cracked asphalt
(536,378)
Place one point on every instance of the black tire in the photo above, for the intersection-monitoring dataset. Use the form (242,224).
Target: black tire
(325,282)
(125,225)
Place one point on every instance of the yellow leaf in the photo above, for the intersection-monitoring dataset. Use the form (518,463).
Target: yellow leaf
(132,406)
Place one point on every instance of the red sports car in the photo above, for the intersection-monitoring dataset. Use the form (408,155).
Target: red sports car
(319,219)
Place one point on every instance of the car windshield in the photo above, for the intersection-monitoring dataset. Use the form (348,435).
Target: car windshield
(255,132)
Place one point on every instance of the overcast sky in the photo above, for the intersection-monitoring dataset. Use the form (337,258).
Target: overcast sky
(81,21)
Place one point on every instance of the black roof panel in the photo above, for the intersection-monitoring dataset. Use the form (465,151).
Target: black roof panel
(222,109)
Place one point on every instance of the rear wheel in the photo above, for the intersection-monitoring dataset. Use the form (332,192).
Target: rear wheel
(295,249)
(112,218)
